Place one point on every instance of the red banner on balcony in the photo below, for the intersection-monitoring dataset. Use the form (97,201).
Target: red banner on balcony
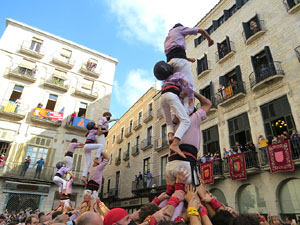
(280,157)
(46,113)
(207,173)
(237,166)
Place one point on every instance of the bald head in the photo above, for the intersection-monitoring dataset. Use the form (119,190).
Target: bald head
(89,218)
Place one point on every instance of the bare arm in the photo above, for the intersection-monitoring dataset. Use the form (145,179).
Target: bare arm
(100,131)
(105,156)
(206,103)
(206,35)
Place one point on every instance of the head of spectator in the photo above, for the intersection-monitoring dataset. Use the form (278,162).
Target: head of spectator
(32,220)
(56,214)
(89,218)
(117,216)
(147,210)
(222,217)
(274,220)
(74,140)
(2,219)
(246,219)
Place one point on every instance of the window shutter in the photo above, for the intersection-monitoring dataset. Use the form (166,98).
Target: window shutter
(256,19)
(27,64)
(66,53)
(219,54)
(198,66)
(37,40)
(291,3)
(226,14)
(222,80)
(239,79)
(205,62)
(239,4)
(215,24)
(60,74)
(255,67)
(87,84)
(211,91)
(196,42)
(201,91)
(270,60)
(228,44)
(246,30)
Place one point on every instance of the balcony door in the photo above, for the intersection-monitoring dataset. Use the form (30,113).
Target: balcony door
(16,93)
(51,102)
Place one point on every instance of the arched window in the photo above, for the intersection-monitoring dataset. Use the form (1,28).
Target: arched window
(219,195)
(289,198)
(251,200)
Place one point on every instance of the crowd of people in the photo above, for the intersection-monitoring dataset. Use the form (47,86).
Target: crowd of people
(181,204)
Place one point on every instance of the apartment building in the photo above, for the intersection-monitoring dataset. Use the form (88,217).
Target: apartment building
(51,88)
(251,75)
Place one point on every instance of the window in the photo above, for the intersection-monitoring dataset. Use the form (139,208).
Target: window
(202,64)
(128,147)
(251,27)
(16,94)
(36,153)
(108,185)
(208,92)
(91,64)
(163,165)
(114,137)
(36,44)
(119,153)
(239,130)
(140,118)
(232,10)
(137,139)
(164,132)
(59,77)
(224,48)
(150,109)
(146,166)
(110,159)
(77,159)
(122,133)
(4,149)
(149,134)
(211,140)
(27,68)
(210,30)
(117,183)
(66,54)
(221,20)
(82,109)
(130,126)
(51,102)
(87,85)
(198,40)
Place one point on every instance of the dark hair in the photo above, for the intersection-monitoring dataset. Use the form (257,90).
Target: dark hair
(74,140)
(222,217)
(41,214)
(29,219)
(2,217)
(246,219)
(147,210)
(56,214)
(177,25)
(107,114)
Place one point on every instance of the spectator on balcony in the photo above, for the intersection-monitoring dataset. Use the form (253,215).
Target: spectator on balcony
(2,160)
(62,110)
(263,70)
(225,153)
(39,168)
(295,141)
(221,91)
(72,118)
(18,103)
(234,85)
(238,147)
(262,145)
(25,166)
(203,159)
(40,105)
(231,152)
(83,115)
(275,140)
(285,135)
(149,178)
(223,50)
(253,26)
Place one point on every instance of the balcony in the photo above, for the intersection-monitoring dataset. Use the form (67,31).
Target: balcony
(203,70)
(77,123)
(137,124)
(266,75)
(57,84)
(90,69)
(292,6)
(148,116)
(251,35)
(159,114)
(135,150)
(160,144)
(28,48)
(119,139)
(223,55)
(146,143)
(159,182)
(89,94)
(13,170)
(13,110)
(117,161)
(112,193)
(23,73)
(218,169)
(229,95)
(47,117)
(126,155)
(60,60)
(128,132)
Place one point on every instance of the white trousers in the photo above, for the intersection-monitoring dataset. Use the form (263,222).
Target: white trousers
(68,160)
(170,102)
(62,184)
(173,167)
(88,148)
(183,66)
(100,139)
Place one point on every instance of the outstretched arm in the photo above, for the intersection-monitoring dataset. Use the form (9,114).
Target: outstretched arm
(206,35)
(206,103)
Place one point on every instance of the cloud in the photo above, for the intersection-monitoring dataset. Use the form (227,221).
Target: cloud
(137,82)
(149,21)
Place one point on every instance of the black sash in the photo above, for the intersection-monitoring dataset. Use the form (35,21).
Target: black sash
(190,149)
(176,53)
(105,134)
(92,185)
(69,154)
(58,174)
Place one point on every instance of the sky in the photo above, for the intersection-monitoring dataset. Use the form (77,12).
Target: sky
(132,31)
